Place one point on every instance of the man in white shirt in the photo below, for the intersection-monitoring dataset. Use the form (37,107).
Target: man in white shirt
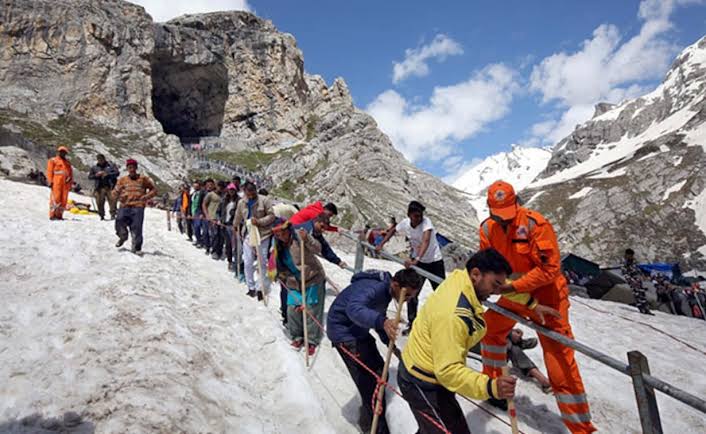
(426,253)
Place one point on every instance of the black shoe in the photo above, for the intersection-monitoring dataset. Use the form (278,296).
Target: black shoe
(190,239)
(260,296)
(498,403)
(527,344)
(120,242)
(102,218)
(252,294)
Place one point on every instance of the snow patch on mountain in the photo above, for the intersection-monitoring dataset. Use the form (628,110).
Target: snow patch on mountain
(581,193)
(608,153)
(519,167)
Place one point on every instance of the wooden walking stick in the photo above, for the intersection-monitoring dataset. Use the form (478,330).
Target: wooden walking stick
(303,274)
(511,405)
(390,346)
(237,250)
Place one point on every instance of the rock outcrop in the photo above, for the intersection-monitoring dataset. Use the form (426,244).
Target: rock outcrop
(634,175)
(102,76)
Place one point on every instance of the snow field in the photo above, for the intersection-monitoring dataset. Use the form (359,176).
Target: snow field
(169,342)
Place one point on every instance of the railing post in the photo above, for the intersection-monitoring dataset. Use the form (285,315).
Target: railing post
(359,255)
(644,394)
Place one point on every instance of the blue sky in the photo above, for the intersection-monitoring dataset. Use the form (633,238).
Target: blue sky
(454,82)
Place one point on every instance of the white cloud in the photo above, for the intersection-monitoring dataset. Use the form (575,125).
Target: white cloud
(606,68)
(457,167)
(453,113)
(165,10)
(415,61)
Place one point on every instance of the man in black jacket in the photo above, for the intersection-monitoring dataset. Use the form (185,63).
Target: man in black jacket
(105,175)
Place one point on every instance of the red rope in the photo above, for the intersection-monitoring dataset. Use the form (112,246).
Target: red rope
(377,377)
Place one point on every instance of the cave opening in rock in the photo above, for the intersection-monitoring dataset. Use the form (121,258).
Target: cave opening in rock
(189,100)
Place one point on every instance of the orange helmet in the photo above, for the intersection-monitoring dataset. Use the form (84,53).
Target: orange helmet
(502,200)
(62,148)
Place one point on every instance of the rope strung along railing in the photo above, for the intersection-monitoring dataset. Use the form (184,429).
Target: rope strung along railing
(381,382)
(643,382)
(649,380)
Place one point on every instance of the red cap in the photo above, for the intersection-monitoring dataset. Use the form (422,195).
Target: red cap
(131,161)
(502,200)
(62,148)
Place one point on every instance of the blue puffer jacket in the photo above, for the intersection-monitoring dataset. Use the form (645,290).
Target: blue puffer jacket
(360,307)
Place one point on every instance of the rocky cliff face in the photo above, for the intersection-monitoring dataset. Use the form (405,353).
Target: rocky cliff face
(633,176)
(101,76)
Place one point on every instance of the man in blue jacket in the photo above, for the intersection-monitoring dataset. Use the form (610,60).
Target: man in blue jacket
(357,309)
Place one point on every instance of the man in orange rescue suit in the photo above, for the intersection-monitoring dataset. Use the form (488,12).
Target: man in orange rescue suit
(528,242)
(60,178)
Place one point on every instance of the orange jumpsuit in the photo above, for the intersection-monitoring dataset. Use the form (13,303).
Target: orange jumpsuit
(530,245)
(59,175)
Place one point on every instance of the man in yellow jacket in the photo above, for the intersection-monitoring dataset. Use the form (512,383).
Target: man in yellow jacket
(433,367)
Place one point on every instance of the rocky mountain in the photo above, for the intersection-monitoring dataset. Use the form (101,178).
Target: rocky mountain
(102,76)
(520,166)
(634,175)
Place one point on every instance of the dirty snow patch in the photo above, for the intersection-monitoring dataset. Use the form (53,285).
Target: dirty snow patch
(581,193)
(673,189)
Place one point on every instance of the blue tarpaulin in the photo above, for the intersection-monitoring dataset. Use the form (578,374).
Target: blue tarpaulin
(442,240)
(672,271)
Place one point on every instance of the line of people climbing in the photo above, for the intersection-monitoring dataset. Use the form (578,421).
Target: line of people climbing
(518,258)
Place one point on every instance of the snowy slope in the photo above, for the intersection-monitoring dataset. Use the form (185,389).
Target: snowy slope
(519,167)
(634,175)
(169,343)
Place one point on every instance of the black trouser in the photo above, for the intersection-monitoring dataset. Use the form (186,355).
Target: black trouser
(180,223)
(435,401)
(189,227)
(130,217)
(216,237)
(365,350)
(435,268)
(228,242)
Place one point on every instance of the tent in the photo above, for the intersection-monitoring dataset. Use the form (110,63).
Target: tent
(581,266)
(672,271)
(601,285)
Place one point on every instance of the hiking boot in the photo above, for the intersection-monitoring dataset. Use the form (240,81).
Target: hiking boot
(312,349)
(260,296)
(231,267)
(498,403)
(120,242)
(297,344)
(241,278)
(528,344)
(215,257)
(251,293)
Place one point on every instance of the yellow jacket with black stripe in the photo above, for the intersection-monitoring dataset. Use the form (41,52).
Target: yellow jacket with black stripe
(447,326)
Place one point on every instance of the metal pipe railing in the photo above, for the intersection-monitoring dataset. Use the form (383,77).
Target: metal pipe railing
(664,387)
